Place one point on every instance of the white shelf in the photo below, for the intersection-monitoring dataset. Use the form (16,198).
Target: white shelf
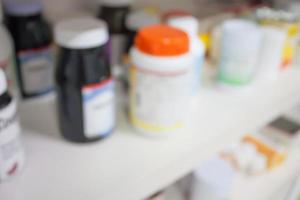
(130,166)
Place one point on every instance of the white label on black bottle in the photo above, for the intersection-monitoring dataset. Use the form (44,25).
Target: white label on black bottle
(8,66)
(11,152)
(98,109)
(37,70)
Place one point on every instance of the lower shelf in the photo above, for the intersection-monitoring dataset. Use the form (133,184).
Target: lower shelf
(130,166)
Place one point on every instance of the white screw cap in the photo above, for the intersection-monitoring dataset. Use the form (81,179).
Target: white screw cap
(81,33)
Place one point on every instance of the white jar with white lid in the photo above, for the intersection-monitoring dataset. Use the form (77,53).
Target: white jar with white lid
(159,80)
(6,52)
(240,45)
(190,25)
(11,149)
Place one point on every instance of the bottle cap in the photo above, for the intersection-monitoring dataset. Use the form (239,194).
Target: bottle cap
(162,40)
(189,24)
(3,82)
(115,3)
(81,33)
(22,8)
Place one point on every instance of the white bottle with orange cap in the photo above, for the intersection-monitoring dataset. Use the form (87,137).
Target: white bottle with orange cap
(11,151)
(159,79)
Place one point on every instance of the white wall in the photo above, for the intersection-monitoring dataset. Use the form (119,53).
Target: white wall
(58,9)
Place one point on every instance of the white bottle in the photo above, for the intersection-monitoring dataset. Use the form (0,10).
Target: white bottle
(11,150)
(270,56)
(190,25)
(240,45)
(6,52)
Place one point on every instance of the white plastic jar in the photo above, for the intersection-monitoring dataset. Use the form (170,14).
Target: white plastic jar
(190,25)
(240,45)
(159,79)
(11,149)
(270,56)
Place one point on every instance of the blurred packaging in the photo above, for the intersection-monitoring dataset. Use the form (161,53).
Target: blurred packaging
(213,180)
(286,21)
(270,57)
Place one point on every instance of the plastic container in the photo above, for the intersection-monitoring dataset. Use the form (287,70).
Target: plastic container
(11,148)
(286,21)
(190,25)
(114,13)
(270,56)
(240,45)
(213,180)
(6,52)
(159,80)
(85,88)
(33,44)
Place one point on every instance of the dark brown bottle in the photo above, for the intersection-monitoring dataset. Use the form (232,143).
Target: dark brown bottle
(32,37)
(85,88)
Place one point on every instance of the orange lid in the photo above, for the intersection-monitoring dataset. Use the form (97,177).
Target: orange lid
(162,40)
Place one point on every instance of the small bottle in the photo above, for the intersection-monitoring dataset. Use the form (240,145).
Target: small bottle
(114,13)
(11,149)
(190,25)
(6,52)
(33,45)
(85,87)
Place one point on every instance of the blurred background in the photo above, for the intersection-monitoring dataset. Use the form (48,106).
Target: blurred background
(200,100)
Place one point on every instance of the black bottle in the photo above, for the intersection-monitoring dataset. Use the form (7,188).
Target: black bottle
(114,13)
(33,45)
(84,85)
